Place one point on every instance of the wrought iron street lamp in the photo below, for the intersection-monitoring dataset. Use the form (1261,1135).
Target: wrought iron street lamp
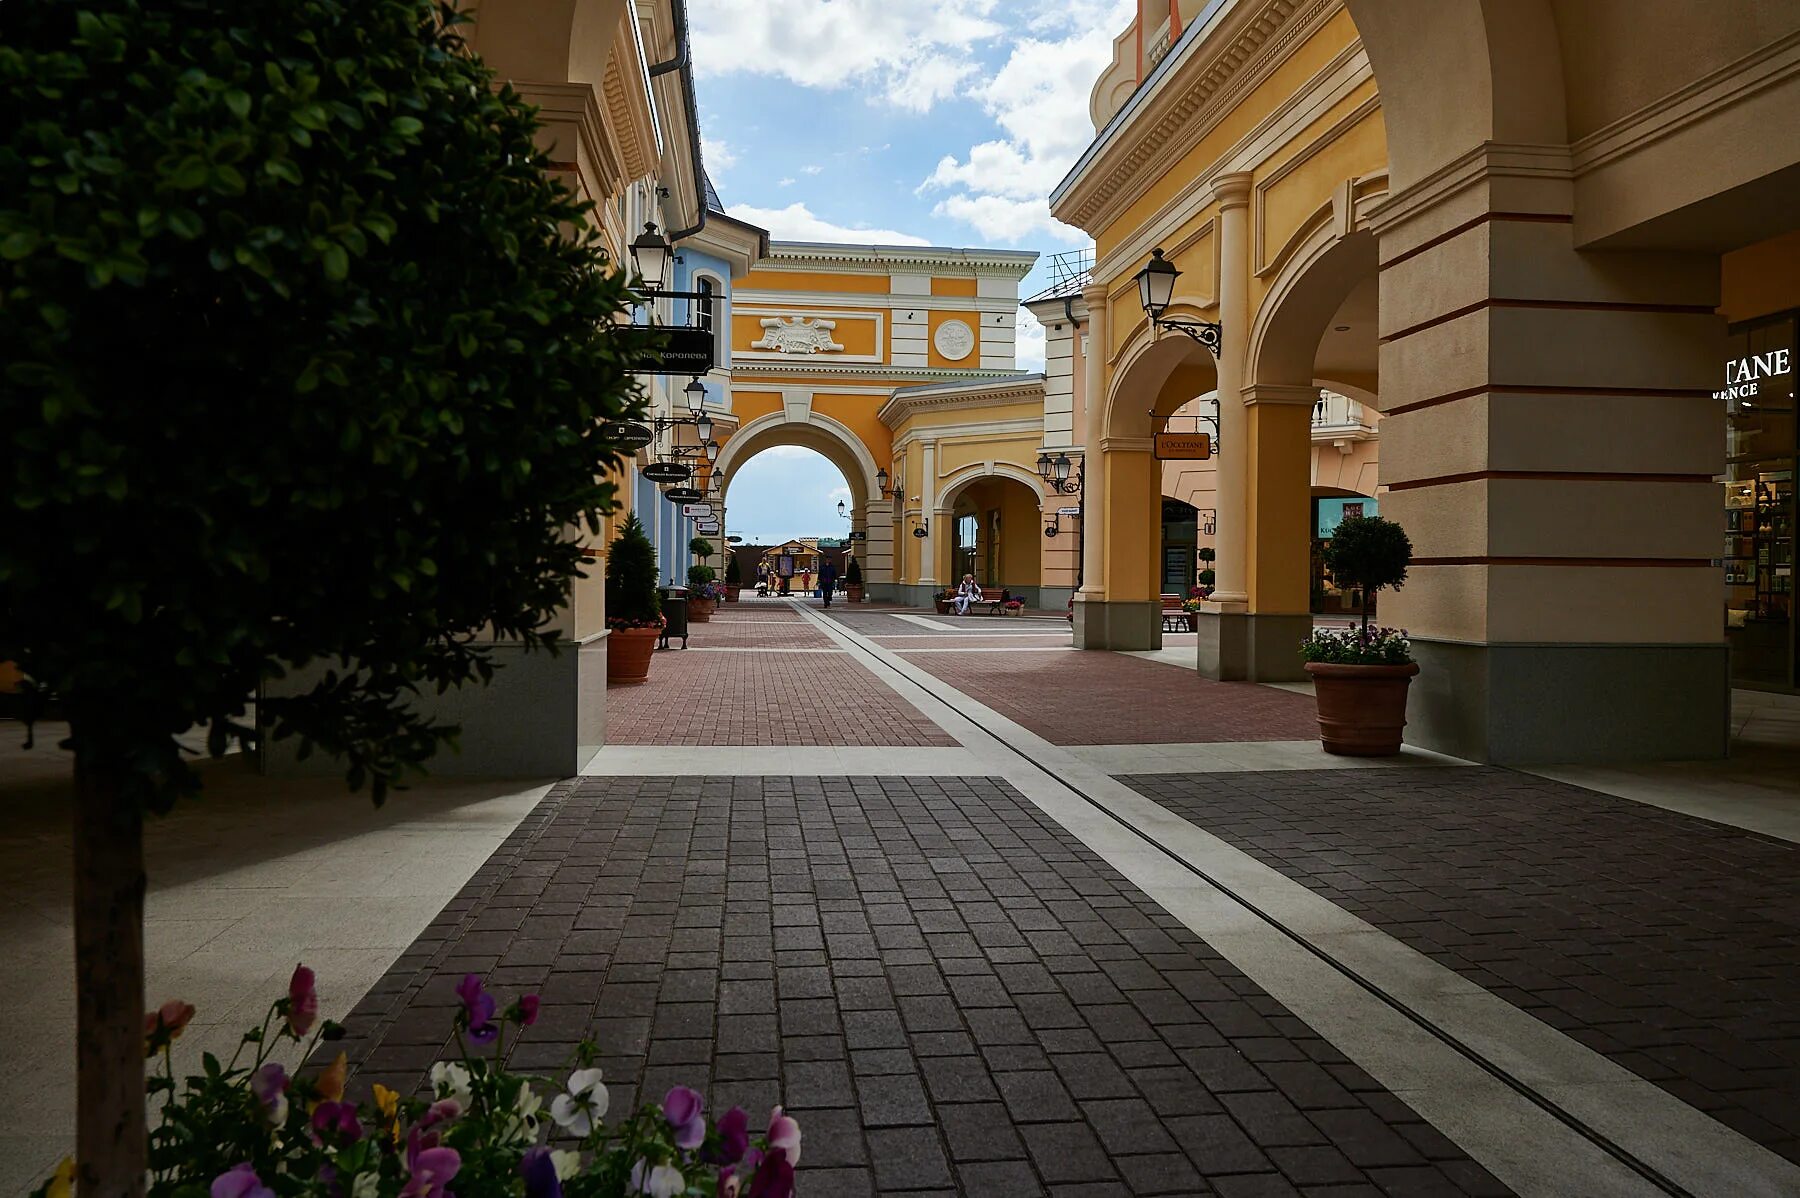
(695,393)
(1156,290)
(712,450)
(1056,471)
(841,511)
(703,427)
(651,252)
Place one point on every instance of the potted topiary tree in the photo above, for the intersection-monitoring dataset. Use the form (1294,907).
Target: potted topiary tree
(633,607)
(734,579)
(1361,675)
(703,594)
(941,599)
(853,590)
(1207,578)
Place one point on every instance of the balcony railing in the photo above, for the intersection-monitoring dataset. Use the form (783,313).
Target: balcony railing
(1336,416)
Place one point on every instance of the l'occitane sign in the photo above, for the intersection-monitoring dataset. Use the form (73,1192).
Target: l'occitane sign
(1185,447)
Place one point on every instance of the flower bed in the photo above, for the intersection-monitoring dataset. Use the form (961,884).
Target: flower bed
(249,1129)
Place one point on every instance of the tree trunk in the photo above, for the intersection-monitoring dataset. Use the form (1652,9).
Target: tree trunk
(111,1141)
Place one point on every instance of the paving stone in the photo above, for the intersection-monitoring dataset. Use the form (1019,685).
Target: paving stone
(908,1158)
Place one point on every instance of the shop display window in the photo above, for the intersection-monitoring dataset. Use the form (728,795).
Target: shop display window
(1758,555)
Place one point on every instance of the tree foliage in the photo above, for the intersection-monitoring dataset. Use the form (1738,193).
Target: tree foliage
(701,547)
(1368,553)
(632,600)
(734,573)
(304,363)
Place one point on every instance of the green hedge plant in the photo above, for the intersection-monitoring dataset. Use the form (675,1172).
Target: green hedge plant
(632,598)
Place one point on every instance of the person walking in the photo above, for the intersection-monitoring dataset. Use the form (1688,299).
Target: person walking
(827,579)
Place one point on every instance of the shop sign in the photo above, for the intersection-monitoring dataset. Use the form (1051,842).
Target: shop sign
(683,351)
(703,510)
(682,495)
(1183,447)
(1068,511)
(667,472)
(1743,377)
(711,526)
(734,539)
(631,436)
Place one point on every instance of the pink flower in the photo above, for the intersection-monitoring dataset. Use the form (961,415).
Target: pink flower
(169,1019)
(442,1111)
(784,1134)
(774,1176)
(432,1169)
(303,1002)
(528,1010)
(337,1120)
(728,1183)
(682,1109)
(240,1182)
(734,1137)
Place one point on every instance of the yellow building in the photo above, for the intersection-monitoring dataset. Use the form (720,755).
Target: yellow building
(897,363)
(1497,228)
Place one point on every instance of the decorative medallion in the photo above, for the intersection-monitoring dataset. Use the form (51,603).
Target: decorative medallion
(797,335)
(954,339)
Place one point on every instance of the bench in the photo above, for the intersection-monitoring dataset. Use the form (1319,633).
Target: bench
(993,600)
(1174,619)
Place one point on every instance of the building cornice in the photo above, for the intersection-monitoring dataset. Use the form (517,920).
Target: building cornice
(1200,82)
(746,372)
(877,299)
(977,430)
(914,401)
(805,255)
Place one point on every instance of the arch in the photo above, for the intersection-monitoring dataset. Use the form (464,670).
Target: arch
(1156,373)
(1505,55)
(950,488)
(816,431)
(1301,302)
(549,40)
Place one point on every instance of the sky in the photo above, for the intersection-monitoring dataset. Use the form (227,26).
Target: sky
(923,122)
(784,492)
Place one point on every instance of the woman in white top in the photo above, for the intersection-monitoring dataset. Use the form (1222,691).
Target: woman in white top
(966,594)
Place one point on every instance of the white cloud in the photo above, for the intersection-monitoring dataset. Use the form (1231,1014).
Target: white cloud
(911,53)
(797,222)
(1029,341)
(811,168)
(717,154)
(786,181)
(1039,98)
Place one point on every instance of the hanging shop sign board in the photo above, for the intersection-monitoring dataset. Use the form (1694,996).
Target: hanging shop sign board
(1068,511)
(703,510)
(683,351)
(682,495)
(1183,447)
(707,526)
(668,472)
(631,436)
(734,539)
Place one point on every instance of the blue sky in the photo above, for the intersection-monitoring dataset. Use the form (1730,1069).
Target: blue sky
(942,122)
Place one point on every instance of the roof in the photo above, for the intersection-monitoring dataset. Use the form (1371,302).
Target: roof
(713,202)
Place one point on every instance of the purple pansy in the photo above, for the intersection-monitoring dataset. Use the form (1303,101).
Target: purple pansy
(682,1108)
(240,1182)
(539,1171)
(528,1009)
(774,1176)
(734,1137)
(337,1120)
(432,1169)
(478,1009)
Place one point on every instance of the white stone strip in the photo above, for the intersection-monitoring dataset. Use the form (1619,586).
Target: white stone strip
(922,622)
(780,761)
(1756,800)
(1235,757)
(916,636)
(993,649)
(1261,921)
(751,649)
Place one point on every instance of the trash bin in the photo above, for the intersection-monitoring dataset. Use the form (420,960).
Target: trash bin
(674,608)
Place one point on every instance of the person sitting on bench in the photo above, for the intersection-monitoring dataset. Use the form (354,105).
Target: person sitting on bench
(969,592)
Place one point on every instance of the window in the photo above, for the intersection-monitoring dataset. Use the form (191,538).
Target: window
(706,303)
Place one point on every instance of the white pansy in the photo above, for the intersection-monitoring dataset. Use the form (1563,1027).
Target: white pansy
(581,1108)
(665,1181)
(567,1163)
(366,1185)
(450,1080)
(525,1110)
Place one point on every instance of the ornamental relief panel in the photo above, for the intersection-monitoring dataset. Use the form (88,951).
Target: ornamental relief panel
(805,336)
(797,335)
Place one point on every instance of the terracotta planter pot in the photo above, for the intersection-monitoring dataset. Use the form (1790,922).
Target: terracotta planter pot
(943,607)
(700,610)
(731,593)
(628,654)
(1362,709)
(853,593)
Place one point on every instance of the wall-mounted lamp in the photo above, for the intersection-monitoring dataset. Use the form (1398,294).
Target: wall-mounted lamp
(1156,290)
(650,252)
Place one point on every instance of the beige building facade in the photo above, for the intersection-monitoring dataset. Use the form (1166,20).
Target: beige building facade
(1499,229)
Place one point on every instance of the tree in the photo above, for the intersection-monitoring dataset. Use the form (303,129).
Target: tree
(1369,553)
(853,574)
(701,547)
(304,362)
(632,600)
(734,573)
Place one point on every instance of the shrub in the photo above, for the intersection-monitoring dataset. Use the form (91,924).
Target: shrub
(305,361)
(701,547)
(632,600)
(699,576)
(734,573)
(853,573)
(1206,577)
(1208,554)
(1368,553)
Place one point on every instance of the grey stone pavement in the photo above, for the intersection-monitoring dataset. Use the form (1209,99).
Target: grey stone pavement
(984,943)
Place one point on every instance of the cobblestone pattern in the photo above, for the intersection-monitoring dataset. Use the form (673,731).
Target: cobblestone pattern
(695,698)
(951,994)
(1111,699)
(756,632)
(1669,944)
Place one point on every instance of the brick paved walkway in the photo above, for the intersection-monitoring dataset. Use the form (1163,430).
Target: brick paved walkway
(1110,699)
(775,698)
(1669,944)
(950,993)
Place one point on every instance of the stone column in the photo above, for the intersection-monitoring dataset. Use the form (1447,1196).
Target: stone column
(877,551)
(1224,643)
(1089,598)
(1278,511)
(1550,444)
(928,488)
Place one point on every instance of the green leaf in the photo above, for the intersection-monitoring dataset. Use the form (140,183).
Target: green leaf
(284,169)
(407,126)
(185,223)
(190,173)
(16,245)
(336,262)
(238,102)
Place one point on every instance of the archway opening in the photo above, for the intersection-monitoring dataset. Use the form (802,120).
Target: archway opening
(794,510)
(996,531)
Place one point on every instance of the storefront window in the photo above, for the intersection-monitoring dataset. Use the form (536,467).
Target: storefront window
(1180,536)
(1758,556)
(1328,513)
